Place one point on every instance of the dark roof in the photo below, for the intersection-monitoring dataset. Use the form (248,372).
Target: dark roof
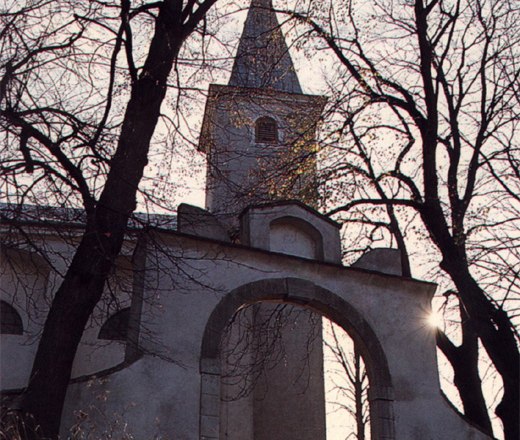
(262,59)
(53,215)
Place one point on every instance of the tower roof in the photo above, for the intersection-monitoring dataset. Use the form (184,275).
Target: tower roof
(262,59)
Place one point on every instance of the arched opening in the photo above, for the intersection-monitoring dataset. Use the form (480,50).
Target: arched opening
(116,327)
(266,130)
(10,320)
(312,297)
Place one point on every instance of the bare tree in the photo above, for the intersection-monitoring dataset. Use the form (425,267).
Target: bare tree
(349,378)
(423,145)
(81,93)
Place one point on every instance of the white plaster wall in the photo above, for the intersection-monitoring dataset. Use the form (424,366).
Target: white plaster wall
(236,415)
(152,398)
(264,227)
(395,308)
(289,395)
(291,240)
(28,284)
(16,356)
(160,393)
(24,284)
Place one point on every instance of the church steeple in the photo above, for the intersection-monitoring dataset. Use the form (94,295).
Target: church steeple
(259,131)
(262,59)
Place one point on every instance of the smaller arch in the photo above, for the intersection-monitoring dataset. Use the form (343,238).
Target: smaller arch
(266,130)
(10,320)
(302,227)
(116,327)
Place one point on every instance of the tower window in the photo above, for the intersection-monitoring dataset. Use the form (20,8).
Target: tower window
(266,130)
(116,327)
(10,321)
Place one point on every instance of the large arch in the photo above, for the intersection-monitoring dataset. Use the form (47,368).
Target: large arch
(305,293)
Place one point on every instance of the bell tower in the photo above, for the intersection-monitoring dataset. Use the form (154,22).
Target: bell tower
(259,131)
(259,135)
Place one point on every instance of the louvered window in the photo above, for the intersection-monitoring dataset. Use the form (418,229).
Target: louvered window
(266,130)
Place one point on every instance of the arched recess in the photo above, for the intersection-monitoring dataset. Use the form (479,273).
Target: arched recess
(304,233)
(10,320)
(116,327)
(307,294)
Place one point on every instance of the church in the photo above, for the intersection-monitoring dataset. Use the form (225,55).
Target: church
(192,292)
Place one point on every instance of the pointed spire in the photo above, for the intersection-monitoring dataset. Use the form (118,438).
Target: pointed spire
(262,59)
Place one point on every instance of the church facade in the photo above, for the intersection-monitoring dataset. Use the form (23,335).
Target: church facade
(151,363)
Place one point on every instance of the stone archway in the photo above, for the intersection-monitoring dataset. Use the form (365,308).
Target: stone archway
(307,294)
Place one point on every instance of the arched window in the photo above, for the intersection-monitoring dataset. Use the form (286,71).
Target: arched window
(10,321)
(266,130)
(116,327)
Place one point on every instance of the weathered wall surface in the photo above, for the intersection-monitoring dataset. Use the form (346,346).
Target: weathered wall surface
(241,170)
(27,284)
(172,392)
(24,281)
(166,382)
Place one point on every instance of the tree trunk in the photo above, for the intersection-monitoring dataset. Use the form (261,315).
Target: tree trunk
(491,324)
(72,305)
(85,279)
(465,359)
(493,327)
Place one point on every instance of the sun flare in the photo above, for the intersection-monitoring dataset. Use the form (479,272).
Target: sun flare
(435,319)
